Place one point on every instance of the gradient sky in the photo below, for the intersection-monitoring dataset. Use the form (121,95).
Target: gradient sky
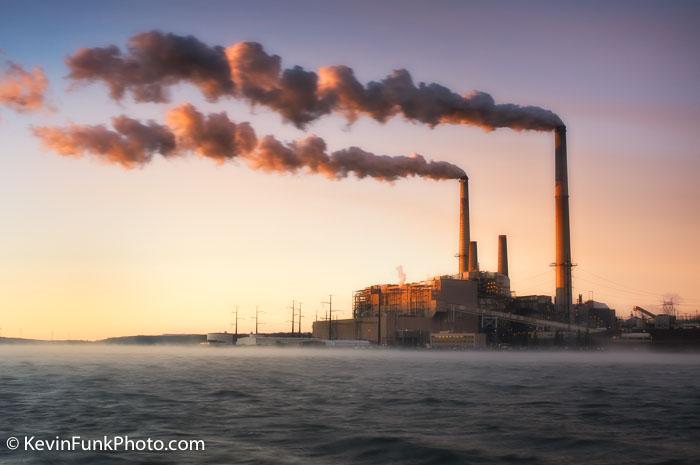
(89,250)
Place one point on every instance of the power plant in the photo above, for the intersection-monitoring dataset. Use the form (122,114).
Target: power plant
(473,307)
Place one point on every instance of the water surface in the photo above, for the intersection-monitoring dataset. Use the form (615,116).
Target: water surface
(304,406)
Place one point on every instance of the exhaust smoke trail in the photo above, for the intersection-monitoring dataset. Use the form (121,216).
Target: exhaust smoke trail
(132,144)
(154,61)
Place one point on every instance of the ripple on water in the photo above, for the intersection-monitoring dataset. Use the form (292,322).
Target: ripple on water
(356,407)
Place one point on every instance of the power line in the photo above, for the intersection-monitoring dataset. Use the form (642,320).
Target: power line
(534,276)
(603,294)
(639,293)
(624,288)
(621,286)
(533,285)
(615,293)
(330,316)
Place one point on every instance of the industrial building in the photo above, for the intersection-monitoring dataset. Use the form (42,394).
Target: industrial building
(221,338)
(471,302)
(663,329)
(276,341)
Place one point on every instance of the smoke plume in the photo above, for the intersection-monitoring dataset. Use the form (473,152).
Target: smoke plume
(22,90)
(131,143)
(214,136)
(155,60)
(402,275)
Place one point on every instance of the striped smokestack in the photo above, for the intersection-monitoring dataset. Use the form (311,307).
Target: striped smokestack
(503,254)
(563,235)
(464,236)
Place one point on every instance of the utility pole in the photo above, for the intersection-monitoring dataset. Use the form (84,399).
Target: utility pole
(313,325)
(330,316)
(379,318)
(257,312)
(299,319)
(668,306)
(293,315)
(235,328)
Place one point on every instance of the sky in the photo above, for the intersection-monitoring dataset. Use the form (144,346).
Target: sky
(90,250)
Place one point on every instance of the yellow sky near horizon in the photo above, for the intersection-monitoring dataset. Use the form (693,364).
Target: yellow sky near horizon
(90,250)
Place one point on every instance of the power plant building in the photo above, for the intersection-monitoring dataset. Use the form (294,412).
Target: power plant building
(408,313)
(472,301)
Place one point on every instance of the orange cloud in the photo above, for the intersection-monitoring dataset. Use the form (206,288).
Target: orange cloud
(22,90)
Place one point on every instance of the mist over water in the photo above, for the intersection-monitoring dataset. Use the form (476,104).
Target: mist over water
(293,406)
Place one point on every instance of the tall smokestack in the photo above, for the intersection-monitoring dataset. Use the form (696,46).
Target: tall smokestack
(563,234)
(473,257)
(503,255)
(464,236)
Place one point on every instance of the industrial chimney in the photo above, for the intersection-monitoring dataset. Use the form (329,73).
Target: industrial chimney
(473,257)
(503,255)
(563,235)
(463,225)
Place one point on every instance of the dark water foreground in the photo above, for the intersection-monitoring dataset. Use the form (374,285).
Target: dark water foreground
(268,406)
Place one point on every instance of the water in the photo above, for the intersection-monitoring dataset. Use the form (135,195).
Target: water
(287,406)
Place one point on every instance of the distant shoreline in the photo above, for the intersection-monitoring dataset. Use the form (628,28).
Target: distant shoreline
(163,339)
(141,339)
(198,340)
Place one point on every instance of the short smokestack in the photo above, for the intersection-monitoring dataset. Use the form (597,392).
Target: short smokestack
(473,257)
(464,237)
(563,233)
(503,254)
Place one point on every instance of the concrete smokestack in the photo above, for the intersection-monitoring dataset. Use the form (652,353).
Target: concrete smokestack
(473,257)
(464,236)
(563,234)
(503,255)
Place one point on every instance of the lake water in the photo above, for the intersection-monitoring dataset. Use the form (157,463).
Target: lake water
(298,406)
